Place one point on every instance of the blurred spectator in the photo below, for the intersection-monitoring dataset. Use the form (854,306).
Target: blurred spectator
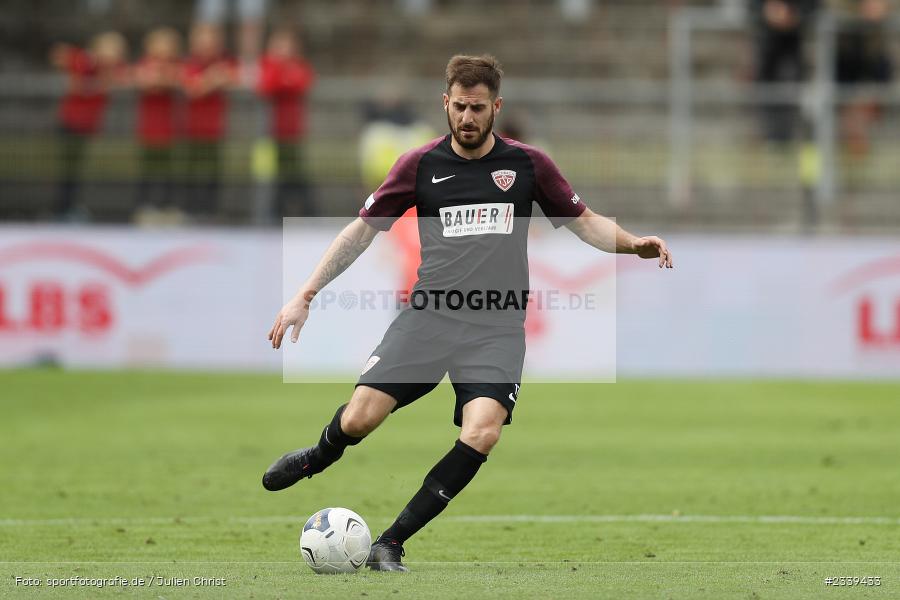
(391,128)
(251,16)
(91,73)
(780,26)
(863,58)
(285,80)
(157,77)
(512,128)
(208,74)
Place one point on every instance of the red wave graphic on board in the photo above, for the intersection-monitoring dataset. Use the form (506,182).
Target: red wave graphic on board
(577,281)
(875,269)
(535,322)
(100,259)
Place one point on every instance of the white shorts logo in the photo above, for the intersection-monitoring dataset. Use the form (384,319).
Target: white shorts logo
(514,394)
(478,219)
(370,363)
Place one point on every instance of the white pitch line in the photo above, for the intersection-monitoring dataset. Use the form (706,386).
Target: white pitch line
(748,519)
(752,519)
(479,563)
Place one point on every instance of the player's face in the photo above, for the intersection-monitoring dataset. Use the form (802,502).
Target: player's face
(470,114)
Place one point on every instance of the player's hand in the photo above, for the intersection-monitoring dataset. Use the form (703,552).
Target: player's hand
(654,247)
(293,314)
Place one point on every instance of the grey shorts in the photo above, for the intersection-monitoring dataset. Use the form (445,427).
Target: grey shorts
(420,347)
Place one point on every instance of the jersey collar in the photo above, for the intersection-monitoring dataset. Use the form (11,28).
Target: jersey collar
(497,142)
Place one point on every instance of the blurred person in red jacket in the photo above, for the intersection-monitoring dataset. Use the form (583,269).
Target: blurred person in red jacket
(207,76)
(157,77)
(285,80)
(91,73)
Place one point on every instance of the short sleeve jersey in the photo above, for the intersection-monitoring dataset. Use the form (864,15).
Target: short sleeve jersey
(473,219)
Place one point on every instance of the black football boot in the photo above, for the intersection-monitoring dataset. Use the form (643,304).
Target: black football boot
(385,556)
(294,466)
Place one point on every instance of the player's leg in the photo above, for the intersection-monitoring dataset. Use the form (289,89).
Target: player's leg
(367,409)
(485,355)
(482,420)
(404,367)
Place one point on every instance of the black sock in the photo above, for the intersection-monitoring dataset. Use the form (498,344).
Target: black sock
(448,477)
(334,440)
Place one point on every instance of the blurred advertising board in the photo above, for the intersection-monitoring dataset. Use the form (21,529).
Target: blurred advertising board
(204,298)
(122,297)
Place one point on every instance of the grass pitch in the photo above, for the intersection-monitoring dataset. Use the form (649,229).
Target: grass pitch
(635,490)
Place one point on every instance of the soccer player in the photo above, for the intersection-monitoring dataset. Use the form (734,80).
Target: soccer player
(469,177)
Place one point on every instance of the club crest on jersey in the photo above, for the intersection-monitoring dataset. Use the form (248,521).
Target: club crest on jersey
(504,178)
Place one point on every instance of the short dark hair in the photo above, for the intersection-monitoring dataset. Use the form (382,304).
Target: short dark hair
(469,71)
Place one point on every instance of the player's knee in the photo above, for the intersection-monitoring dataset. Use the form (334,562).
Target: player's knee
(481,437)
(365,412)
(358,422)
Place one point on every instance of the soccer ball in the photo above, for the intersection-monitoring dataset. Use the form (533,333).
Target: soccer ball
(335,540)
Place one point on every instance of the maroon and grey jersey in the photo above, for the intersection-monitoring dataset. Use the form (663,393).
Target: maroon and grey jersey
(473,220)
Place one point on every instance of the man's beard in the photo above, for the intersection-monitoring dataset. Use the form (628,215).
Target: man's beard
(478,141)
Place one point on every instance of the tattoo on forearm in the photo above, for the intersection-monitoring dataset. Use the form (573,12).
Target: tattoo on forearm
(345,251)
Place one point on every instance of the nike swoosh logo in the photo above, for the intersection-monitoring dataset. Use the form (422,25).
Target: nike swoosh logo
(444,496)
(436,180)
(511,397)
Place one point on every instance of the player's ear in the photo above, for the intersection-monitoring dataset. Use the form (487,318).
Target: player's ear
(498,103)
(446,102)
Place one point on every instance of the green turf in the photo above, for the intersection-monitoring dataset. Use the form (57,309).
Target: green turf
(155,474)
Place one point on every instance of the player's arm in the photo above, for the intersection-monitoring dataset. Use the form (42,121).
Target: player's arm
(381,209)
(562,206)
(605,234)
(343,251)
